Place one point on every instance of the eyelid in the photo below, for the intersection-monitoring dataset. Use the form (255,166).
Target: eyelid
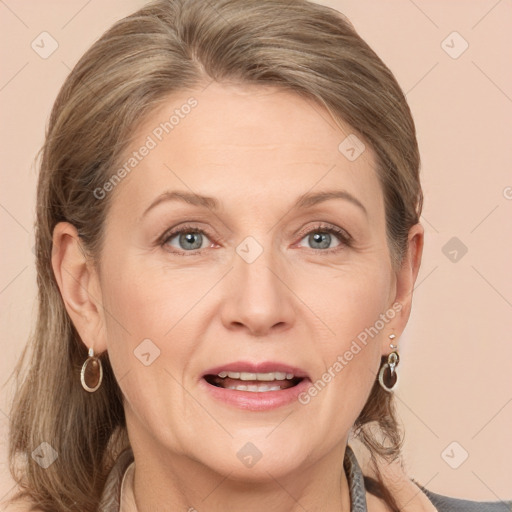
(184,228)
(345,239)
(329,228)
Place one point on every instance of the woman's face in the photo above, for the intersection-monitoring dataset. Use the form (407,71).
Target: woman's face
(256,283)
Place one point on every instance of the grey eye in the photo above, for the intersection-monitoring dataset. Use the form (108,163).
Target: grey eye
(320,240)
(188,240)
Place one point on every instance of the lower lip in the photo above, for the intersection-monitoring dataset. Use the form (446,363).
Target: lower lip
(254,400)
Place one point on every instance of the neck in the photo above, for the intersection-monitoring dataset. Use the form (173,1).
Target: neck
(164,480)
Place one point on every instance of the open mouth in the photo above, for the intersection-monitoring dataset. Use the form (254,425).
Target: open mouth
(253,382)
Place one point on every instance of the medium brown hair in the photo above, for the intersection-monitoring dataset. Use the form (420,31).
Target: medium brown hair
(165,47)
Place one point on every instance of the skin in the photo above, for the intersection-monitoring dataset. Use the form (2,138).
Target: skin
(256,150)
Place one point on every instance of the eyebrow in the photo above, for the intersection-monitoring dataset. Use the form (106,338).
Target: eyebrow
(306,200)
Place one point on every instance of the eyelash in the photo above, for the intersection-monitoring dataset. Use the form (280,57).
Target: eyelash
(345,239)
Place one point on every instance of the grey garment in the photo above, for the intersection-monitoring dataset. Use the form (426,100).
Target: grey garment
(355,480)
(111,496)
(448,504)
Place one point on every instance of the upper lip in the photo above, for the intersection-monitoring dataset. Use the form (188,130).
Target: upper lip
(261,367)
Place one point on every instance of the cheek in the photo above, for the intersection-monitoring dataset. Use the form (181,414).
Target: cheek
(351,308)
(350,300)
(149,348)
(144,299)
(145,318)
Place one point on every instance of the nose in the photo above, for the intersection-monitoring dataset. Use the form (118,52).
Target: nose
(258,298)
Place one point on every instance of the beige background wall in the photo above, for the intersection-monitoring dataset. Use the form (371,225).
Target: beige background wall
(456,379)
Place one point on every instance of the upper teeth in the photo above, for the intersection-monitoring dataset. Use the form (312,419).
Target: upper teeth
(256,376)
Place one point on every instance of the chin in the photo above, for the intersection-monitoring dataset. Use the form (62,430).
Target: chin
(255,458)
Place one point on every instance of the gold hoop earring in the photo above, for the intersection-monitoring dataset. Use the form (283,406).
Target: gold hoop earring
(91,375)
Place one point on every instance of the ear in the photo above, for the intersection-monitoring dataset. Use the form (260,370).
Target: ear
(79,286)
(405,279)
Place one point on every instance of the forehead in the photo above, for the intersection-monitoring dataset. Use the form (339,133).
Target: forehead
(241,141)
